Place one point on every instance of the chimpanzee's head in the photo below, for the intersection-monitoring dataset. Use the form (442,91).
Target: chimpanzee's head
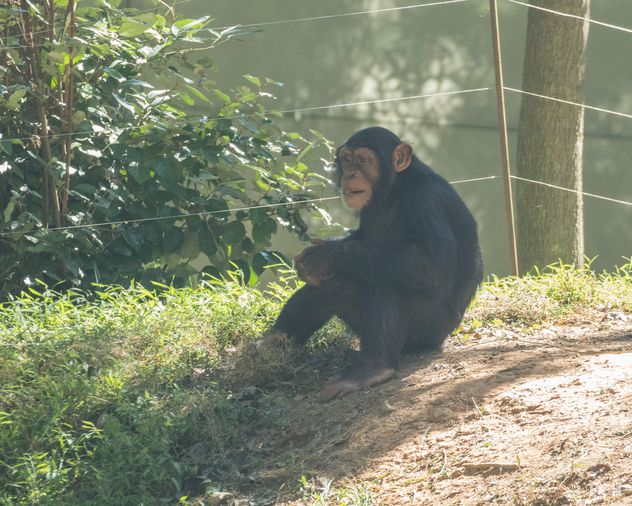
(367,164)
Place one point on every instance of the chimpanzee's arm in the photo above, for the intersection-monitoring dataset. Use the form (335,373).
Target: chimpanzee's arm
(426,266)
(410,265)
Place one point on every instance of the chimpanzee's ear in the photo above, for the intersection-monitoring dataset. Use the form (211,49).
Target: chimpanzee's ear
(402,156)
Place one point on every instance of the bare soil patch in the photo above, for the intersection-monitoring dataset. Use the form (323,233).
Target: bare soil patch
(535,417)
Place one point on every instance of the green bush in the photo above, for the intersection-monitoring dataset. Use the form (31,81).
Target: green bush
(116,400)
(101,123)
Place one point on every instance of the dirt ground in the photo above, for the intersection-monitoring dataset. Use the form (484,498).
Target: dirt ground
(535,417)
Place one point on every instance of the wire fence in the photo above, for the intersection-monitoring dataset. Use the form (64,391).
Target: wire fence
(210,213)
(349,14)
(197,119)
(351,104)
(567,15)
(284,21)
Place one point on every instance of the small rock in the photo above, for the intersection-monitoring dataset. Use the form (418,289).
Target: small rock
(386,408)
(220,499)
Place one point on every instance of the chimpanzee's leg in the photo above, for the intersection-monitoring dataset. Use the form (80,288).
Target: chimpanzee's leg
(383,330)
(311,307)
(431,322)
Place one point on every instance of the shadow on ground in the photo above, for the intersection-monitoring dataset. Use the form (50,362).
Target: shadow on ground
(297,436)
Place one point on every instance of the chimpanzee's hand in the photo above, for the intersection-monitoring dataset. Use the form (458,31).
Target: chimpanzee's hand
(316,263)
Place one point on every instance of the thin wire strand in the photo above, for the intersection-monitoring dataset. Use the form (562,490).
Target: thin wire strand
(574,16)
(343,15)
(206,213)
(474,180)
(577,104)
(385,100)
(240,116)
(284,204)
(297,20)
(601,197)
(176,216)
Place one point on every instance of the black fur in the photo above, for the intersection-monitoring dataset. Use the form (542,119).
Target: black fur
(404,278)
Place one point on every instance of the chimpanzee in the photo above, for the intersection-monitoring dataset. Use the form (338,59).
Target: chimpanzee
(404,278)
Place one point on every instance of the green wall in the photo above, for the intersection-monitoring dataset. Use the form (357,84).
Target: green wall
(429,50)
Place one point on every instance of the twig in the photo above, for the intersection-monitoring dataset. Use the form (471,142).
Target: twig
(489,468)
(443,468)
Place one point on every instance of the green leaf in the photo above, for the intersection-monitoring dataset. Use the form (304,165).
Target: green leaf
(172,240)
(166,172)
(261,260)
(86,189)
(186,98)
(207,243)
(57,57)
(258,216)
(94,153)
(132,28)
(140,173)
(251,125)
(233,233)
(222,96)
(123,103)
(206,175)
(6,215)
(186,24)
(254,80)
(261,232)
(134,239)
(7,147)
(13,102)
(197,93)
(78,117)
(138,82)
(147,18)
(121,249)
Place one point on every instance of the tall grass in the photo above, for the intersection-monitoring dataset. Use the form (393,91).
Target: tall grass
(112,400)
(555,291)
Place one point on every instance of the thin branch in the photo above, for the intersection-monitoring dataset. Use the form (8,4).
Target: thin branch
(49,191)
(69,104)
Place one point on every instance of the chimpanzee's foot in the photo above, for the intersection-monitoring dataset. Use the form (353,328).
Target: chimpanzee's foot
(345,386)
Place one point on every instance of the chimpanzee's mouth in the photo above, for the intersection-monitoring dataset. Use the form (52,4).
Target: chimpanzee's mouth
(354,192)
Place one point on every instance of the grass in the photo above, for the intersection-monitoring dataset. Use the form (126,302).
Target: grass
(324,493)
(110,400)
(133,396)
(556,291)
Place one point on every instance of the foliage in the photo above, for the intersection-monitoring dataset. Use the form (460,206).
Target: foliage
(554,291)
(118,399)
(323,493)
(112,400)
(101,123)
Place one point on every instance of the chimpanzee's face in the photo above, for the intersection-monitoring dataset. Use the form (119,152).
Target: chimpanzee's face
(359,173)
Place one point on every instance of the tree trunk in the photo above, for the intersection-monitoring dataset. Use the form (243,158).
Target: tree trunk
(550,136)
